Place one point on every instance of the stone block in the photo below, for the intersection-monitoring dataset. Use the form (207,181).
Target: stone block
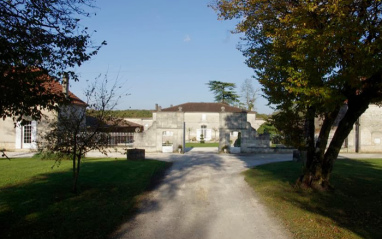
(135,154)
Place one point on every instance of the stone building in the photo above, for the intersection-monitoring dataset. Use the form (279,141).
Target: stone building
(366,135)
(15,136)
(172,127)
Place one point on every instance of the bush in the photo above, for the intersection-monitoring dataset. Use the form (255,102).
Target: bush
(202,139)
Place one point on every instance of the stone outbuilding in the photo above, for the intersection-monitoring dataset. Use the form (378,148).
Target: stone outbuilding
(366,136)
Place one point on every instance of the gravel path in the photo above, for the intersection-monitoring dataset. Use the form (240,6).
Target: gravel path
(204,196)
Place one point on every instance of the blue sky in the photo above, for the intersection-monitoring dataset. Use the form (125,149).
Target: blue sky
(166,51)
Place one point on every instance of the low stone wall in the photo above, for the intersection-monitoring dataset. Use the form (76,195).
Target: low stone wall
(267,150)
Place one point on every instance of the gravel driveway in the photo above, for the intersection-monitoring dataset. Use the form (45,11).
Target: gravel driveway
(204,196)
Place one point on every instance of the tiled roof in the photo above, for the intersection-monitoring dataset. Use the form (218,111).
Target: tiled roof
(204,107)
(55,87)
(115,125)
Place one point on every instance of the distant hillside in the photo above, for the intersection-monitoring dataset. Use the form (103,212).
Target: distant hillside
(262,116)
(128,113)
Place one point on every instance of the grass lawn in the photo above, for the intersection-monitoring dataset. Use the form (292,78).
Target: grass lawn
(36,199)
(352,210)
(193,145)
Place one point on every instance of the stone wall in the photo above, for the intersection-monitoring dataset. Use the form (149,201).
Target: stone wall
(167,128)
(11,136)
(7,132)
(370,133)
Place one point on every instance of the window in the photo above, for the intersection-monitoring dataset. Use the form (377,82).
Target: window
(204,130)
(204,117)
(119,138)
(27,133)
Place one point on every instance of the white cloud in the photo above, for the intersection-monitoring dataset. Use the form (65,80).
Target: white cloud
(187,38)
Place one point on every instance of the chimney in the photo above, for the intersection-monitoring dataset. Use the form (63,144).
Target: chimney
(65,84)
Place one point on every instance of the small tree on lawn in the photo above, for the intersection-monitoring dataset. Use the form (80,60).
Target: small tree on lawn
(69,134)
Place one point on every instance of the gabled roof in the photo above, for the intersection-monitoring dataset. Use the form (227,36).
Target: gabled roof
(50,84)
(55,87)
(204,107)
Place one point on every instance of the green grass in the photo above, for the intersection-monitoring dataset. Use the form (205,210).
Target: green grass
(193,145)
(36,199)
(352,210)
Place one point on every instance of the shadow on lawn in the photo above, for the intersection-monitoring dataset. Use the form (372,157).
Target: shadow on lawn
(355,204)
(44,207)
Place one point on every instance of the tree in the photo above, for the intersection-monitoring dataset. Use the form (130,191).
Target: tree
(69,133)
(248,93)
(313,58)
(224,92)
(269,128)
(39,38)
(189,133)
(290,127)
(215,130)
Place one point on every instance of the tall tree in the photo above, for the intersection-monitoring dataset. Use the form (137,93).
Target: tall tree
(224,92)
(312,57)
(39,38)
(248,93)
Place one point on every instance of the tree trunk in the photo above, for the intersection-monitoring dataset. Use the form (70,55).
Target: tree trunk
(358,101)
(356,108)
(309,131)
(77,174)
(75,169)
(317,175)
(312,176)
(75,181)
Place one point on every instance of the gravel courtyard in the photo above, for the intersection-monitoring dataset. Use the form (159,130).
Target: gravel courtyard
(203,195)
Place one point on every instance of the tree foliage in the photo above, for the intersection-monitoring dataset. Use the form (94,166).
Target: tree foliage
(312,57)
(224,92)
(290,126)
(38,39)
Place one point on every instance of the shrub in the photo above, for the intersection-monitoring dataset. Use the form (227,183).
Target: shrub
(202,139)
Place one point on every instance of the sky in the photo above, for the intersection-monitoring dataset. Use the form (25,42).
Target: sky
(164,52)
